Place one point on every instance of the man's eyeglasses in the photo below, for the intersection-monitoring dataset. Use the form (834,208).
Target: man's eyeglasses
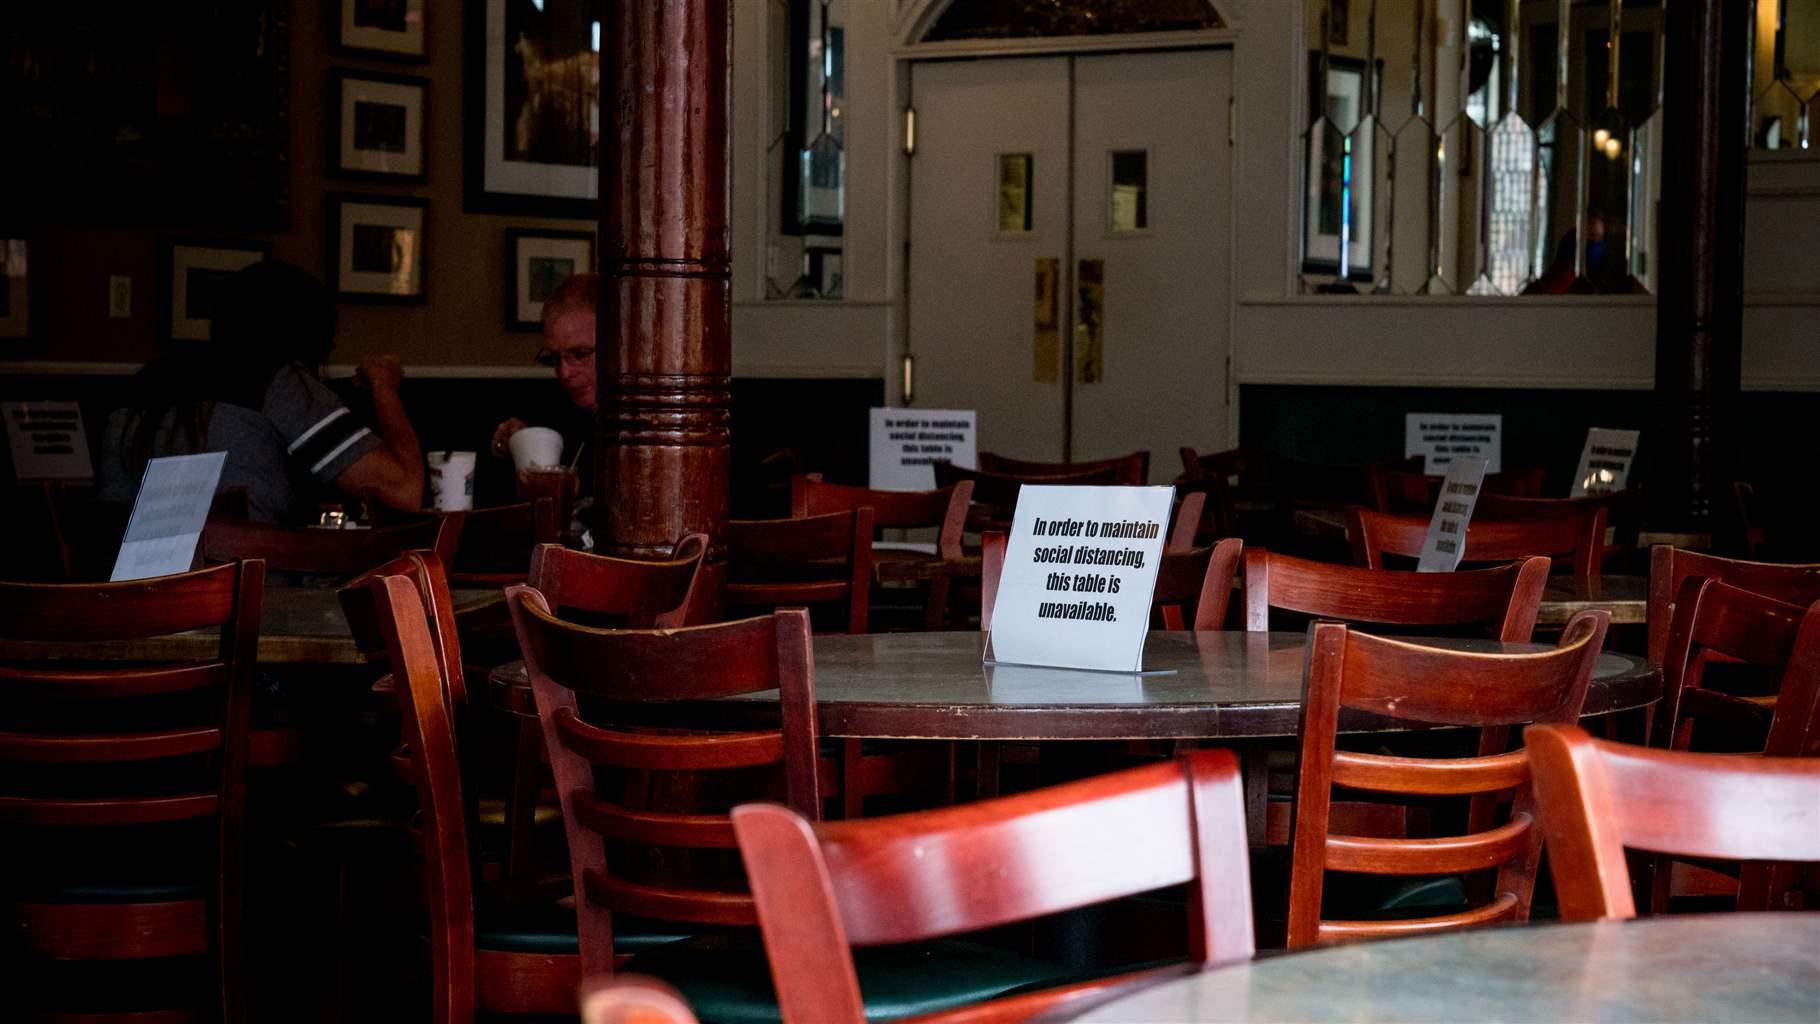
(577,356)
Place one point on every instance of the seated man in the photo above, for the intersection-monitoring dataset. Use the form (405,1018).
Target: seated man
(252,391)
(568,348)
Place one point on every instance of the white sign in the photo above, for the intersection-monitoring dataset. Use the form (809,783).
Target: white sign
(48,440)
(907,443)
(1080,567)
(1443,437)
(168,514)
(1445,544)
(1605,461)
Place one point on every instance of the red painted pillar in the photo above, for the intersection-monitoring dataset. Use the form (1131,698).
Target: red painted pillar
(665,342)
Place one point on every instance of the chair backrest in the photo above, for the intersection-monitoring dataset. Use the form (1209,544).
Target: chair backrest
(1406,491)
(429,733)
(337,553)
(1717,621)
(90,747)
(1751,520)
(1132,469)
(1670,567)
(1346,669)
(824,888)
(1193,588)
(816,560)
(943,509)
(995,494)
(1506,599)
(1185,525)
(366,620)
(619,592)
(1598,799)
(613,704)
(1576,541)
(496,543)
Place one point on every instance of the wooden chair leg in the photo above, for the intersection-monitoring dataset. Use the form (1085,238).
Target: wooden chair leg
(521,811)
(852,796)
(986,782)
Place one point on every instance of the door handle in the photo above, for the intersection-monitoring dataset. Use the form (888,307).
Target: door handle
(1089,321)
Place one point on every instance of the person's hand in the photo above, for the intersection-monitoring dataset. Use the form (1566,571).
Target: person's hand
(502,435)
(380,373)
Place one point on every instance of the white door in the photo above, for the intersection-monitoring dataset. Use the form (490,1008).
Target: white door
(1139,141)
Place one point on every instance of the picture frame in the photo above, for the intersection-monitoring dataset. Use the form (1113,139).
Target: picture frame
(377,248)
(532,77)
(192,269)
(15,289)
(1339,172)
(379,125)
(540,260)
(391,29)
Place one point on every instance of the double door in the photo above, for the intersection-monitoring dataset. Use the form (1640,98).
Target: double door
(1069,251)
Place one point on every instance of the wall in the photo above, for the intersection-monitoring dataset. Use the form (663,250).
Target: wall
(462,323)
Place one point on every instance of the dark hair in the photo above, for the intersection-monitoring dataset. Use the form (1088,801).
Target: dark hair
(266,317)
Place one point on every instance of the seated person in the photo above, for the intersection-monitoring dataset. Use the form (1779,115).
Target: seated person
(568,348)
(252,391)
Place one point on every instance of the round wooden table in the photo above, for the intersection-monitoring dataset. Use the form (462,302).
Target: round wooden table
(1213,685)
(1710,967)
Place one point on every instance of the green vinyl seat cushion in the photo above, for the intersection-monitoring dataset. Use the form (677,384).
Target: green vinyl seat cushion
(550,928)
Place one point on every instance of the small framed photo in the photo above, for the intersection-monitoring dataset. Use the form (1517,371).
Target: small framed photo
(380,125)
(15,290)
(388,28)
(377,247)
(195,269)
(541,260)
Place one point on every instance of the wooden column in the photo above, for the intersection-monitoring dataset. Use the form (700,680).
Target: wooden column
(665,353)
(1700,296)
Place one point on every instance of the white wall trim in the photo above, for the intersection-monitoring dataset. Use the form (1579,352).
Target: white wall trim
(1524,381)
(1118,43)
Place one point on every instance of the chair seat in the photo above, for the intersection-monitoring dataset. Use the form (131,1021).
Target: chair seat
(550,929)
(119,891)
(728,981)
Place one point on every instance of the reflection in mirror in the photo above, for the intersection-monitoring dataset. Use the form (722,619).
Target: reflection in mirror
(1785,75)
(807,152)
(1016,174)
(1500,147)
(1129,208)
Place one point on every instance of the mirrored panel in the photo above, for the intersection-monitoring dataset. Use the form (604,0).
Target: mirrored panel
(1016,173)
(1785,83)
(808,151)
(1128,205)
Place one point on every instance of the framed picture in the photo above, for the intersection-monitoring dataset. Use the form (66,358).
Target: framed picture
(379,124)
(1339,21)
(541,260)
(1340,174)
(387,28)
(377,247)
(533,96)
(194,271)
(15,290)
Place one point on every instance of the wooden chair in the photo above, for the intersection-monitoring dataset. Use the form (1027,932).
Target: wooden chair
(1185,523)
(815,561)
(629,999)
(1714,621)
(943,510)
(620,592)
(1193,588)
(1598,799)
(1670,567)
(123,795)
(496,543)
(1222,476)
(645,785)
(995,494)
(822,889)
(1412,492)
(1132,469)
(339,554)
(1578,541)
(1503,601)
(1390,679)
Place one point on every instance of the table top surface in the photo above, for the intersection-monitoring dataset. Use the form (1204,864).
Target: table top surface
(1204,685)
(1712,967)
(298,625)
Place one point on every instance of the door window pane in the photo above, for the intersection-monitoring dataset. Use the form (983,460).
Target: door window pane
(1015,174)
(1130,210)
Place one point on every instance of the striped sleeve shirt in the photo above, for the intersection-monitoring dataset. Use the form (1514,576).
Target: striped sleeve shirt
(322,438)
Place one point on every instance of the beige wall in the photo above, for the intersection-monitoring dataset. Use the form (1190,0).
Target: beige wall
(461,324)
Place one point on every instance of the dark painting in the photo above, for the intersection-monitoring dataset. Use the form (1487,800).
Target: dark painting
(381,14)
(546,273)
(376,249)
(174,110)
(551,82)
(379,126)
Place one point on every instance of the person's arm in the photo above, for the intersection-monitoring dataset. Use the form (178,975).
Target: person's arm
(390,473)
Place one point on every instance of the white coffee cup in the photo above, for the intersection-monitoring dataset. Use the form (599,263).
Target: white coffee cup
(452,480)
(536,448)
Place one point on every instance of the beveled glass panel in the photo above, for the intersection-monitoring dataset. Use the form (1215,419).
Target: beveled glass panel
(1128,204)
(1604,265)
(1337,209)
(1561,146)
(1780,119)
(1016,174)
(1509,207)
(1645,192)
(1374,167)
(1412,192)
(1026,19)
(1460,196)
